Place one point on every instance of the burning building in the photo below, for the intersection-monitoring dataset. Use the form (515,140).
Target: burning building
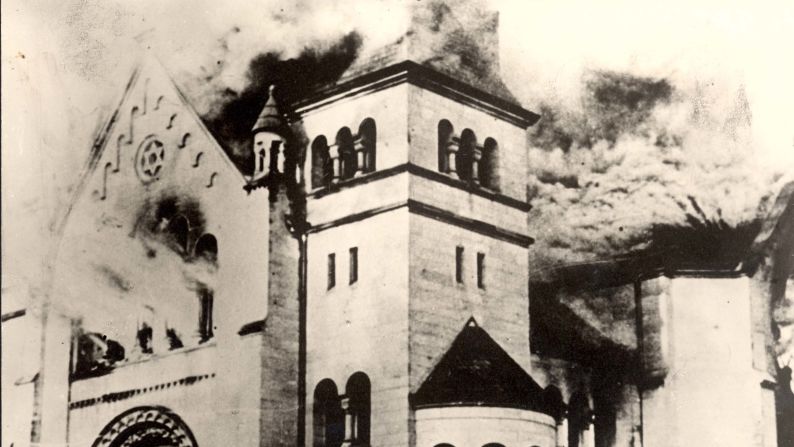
(356,268)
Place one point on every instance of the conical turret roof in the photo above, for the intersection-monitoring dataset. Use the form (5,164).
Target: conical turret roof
(270,119)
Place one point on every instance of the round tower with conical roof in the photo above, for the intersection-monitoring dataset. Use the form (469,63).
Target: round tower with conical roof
(269,136)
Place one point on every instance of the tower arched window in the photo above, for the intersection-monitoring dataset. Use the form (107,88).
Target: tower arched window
(347,153)
(445,136)
(328,418)
(261,156)
(358,391)
(465,158)
(322,171)
(366,146)
(489,165)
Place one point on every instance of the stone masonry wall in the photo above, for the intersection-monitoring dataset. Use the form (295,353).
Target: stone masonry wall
(362,326)
(279,361)
(440,306)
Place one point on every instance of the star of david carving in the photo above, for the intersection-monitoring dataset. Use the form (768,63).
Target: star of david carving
(150,159)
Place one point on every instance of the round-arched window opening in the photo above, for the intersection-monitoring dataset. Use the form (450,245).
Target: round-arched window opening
(358,390)
(445,132)
(178,230)
(328,416)
(146,427)
(465,158)
(368,134)
(322,171)
(347,153)
(207,247)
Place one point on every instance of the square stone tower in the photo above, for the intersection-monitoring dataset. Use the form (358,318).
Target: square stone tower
(416,173)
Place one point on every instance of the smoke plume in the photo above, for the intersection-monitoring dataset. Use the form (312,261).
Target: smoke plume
(639,167)
(232,113)
(642,174)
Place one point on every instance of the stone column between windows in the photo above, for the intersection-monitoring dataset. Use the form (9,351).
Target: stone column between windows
(361,156)
(349,422)
(475,164)
(452,152)
(336,164)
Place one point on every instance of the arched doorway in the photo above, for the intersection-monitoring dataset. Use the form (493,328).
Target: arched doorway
(146,427)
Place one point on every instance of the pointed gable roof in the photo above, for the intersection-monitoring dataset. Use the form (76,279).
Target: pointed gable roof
(477,371)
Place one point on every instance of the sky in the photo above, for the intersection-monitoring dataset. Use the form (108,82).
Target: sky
(65,64)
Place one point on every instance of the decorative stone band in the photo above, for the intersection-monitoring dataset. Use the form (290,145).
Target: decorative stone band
(439,214)
(122,395)
(427,174)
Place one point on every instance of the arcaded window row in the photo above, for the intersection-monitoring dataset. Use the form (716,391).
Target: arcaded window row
(460,155)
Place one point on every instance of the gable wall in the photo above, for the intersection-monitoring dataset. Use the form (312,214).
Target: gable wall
(118,267)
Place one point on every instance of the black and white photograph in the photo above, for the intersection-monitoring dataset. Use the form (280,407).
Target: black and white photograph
(397,223)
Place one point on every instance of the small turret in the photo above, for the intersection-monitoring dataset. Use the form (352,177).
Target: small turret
(269,136)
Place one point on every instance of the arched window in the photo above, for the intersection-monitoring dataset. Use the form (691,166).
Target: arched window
(206,330)
(260,160)
(329,420)
(321,163)
(445,132)
(489,165)
(493,444)
(465,158)
(178,230)
(366,147)
(347,153)
(444,445)
(144,337)
(207,247)
(357,391)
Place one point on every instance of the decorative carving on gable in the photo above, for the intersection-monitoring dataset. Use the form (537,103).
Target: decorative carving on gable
(213,176)
(150,159)
(184,141)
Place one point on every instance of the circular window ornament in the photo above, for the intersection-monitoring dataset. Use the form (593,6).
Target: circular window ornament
(149,160)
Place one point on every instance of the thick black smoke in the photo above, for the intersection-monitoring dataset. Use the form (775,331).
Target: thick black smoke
(612,105)
(233,114)
(638,167)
